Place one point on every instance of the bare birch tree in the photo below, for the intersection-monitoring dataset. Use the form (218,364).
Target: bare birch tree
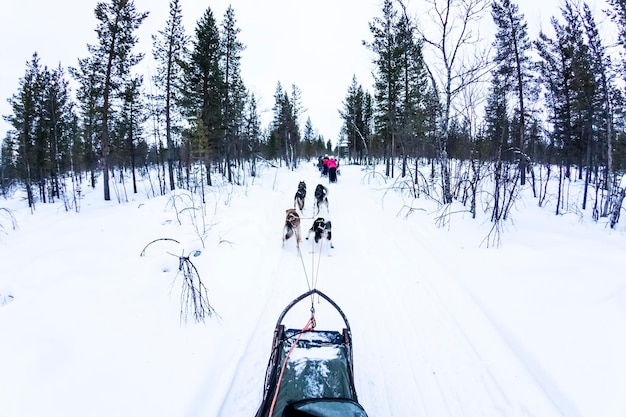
(460,60)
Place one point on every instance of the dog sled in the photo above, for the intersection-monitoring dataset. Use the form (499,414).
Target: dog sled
(310,372)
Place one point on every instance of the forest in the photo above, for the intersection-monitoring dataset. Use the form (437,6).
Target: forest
(456,116)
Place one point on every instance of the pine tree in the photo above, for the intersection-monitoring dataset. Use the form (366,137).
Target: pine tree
(615,150)
(416,90)
(112,58)
(89,99)
(43,129)
(24,121)
(513,65)
(572,93)
(606,103)
(357,119)
(169,49)
(285,131)
(555,75)
(387,78)
(252,131)
(58,119)
(235,91)
(131,124)
(498,131)
(204,85)
(497,123)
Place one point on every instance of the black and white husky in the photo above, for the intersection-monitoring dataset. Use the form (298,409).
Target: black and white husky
(322,230)
(321,198)
(298,199)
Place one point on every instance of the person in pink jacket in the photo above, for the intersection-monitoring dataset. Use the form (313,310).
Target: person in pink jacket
(325,165)
(332,169)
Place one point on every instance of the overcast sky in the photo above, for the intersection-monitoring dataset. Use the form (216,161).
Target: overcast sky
(314,44)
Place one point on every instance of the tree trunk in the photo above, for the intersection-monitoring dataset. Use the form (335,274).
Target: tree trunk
(617,208)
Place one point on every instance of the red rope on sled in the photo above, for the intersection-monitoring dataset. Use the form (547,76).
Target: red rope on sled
(310,325)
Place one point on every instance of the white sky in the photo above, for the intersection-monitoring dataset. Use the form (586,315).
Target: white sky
(316,45)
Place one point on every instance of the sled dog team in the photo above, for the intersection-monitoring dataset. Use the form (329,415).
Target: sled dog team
(321,227)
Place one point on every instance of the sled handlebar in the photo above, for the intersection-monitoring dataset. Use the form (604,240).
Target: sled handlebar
(307,294)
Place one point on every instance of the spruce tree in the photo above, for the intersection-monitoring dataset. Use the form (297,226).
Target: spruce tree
(606,100)
(357,119)
(416,90)
(112,59)
(130,124)
(285,131)
(169,50)
(235,91)
(43,129)
(25,120)
(571,87)
(387,78)
(204,85)
(252,131)
(308,137)
(513,65)
(89,101)
(59,121)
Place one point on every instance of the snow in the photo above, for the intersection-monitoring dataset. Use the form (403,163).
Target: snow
(442,325)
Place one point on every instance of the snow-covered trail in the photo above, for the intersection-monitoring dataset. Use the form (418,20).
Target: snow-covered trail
(440,327)
(418,337)
(280,276)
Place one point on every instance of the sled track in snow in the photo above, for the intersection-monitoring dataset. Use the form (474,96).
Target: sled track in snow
(427,345)
(279,276)
(418,337)
(238,382)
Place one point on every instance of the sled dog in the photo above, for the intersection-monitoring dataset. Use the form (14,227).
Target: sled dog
(298,200)
(321,198)
(292,226)
(322,229)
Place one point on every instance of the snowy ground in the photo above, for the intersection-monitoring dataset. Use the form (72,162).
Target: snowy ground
(441,325)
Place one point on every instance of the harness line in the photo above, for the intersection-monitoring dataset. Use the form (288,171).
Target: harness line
(310,325)
(312,284)
(317,271)
(306,277)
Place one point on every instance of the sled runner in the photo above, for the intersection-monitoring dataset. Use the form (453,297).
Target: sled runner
(310,372)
